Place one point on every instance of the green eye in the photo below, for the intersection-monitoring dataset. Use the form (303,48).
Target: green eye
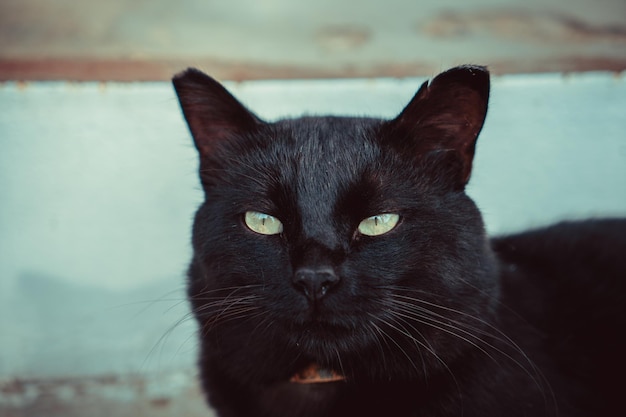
(379,224)
(263,223)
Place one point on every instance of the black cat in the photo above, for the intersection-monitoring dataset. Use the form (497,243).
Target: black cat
(340,269)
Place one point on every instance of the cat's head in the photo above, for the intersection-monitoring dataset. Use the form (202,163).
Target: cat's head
(334,239)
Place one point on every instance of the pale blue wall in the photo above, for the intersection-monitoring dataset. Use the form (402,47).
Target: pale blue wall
(98,186)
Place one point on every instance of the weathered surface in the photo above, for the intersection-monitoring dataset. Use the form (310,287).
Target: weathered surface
(279,39)
(166,394)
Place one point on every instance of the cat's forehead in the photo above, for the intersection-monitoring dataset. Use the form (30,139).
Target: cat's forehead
(326,153)
(327,157)
(317,143)
(311,166)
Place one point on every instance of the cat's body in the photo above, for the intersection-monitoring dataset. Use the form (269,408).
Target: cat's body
(349,245)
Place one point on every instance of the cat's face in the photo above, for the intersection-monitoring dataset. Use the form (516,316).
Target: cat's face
(318,234)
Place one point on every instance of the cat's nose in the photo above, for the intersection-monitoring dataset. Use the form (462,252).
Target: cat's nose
(315,283)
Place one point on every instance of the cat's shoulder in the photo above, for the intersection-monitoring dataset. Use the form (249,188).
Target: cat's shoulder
(567,282)
(565,263)
(575,243)
(569,266)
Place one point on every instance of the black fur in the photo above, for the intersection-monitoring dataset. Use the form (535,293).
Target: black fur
(429,319)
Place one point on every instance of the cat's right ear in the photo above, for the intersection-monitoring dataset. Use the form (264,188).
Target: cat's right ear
(212,113)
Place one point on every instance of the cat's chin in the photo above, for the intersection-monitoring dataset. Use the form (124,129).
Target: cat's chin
(326,342)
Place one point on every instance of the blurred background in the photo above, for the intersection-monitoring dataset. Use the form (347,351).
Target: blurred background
(257,39)
(98,172)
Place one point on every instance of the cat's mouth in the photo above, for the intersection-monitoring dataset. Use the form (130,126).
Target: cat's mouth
(313,374)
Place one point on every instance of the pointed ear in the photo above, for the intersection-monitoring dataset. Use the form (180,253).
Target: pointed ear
(446,115)
(212,113)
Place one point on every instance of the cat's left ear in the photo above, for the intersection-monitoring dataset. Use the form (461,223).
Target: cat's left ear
(445,117)
(212,113)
